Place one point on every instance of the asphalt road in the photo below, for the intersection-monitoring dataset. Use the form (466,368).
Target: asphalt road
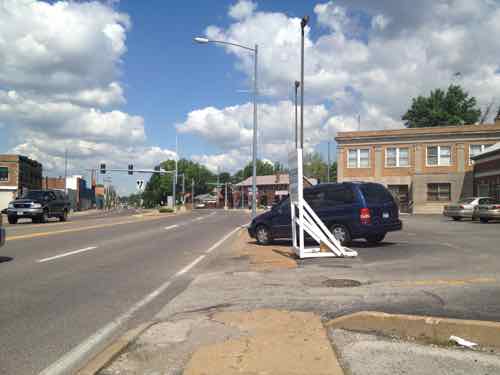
(62,282)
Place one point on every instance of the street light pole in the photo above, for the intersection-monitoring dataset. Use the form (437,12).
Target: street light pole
(328,169)
(255,50)
(303,24)
(254,148)
(297,84)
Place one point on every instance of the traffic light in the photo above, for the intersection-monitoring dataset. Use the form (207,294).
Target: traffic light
(103,168)
(131,169)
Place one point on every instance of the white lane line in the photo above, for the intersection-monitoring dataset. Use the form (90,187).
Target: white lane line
(66,254)
(172,226)
(190,265)
(87,348)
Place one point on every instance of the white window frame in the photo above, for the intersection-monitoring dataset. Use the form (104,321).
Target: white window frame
(358,158)
(439,156)
(398,165)
(483,147)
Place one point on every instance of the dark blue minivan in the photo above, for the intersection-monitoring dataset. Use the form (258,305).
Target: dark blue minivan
(351,210)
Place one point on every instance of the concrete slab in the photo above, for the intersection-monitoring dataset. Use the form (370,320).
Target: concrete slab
(362,354)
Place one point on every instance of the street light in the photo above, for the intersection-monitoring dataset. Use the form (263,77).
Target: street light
(297,84)
(255,51)
(303,24)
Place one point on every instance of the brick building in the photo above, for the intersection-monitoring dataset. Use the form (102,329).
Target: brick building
(487,172)
(17,175)
(270,188)
(423,167)
(56,183)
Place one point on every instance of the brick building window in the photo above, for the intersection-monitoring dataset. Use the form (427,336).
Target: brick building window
(397,157)
(438,156)
(476,150)
(439,192)
(358,158)
(4,174)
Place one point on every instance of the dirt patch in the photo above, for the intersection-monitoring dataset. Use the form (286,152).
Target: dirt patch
(264,258)
(276,342)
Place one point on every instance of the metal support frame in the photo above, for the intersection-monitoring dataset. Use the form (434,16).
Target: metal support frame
(305,220)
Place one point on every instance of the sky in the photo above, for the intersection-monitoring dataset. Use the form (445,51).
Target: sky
(117,81)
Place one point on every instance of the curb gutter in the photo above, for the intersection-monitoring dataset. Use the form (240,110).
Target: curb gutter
(107,355)
(434,329)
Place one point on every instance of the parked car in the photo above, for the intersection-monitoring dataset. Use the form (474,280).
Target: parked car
(39,205)
(464,208)
(350,210)
(2,232)
(488,211)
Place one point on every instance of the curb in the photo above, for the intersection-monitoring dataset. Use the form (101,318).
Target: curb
(106,356)
(433,329)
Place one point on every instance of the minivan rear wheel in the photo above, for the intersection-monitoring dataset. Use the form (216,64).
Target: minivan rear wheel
(376,238)
(263,235)
(341,233)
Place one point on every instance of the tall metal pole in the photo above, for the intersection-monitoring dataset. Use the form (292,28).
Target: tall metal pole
(66,170)
(328,169)
(174,183)
(254,148)
(225,198)
(296,84)
(183,189)
(192,194)
(303,24)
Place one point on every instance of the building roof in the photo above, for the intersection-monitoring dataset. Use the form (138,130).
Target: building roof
(418,132)
(494,149)
(272,179)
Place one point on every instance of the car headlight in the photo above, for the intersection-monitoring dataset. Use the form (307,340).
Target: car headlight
(11,205)
(36,205)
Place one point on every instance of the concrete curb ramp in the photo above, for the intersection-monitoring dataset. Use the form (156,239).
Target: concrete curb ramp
(429,329)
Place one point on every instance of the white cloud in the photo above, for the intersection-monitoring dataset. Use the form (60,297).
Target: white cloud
(242,9)
(59,81)
(368,58)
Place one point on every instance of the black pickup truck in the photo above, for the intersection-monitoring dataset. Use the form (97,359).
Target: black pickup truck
(39,205)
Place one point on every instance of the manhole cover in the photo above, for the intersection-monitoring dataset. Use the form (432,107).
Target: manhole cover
(341,283)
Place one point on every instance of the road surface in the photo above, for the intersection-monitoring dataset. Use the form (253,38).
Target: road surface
(62,282)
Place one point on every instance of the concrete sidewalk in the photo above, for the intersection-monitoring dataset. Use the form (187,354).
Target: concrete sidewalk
(257,310)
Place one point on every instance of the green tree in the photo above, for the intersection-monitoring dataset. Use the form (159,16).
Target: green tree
(315,166)
(453,107)
(159,187)
(264,168)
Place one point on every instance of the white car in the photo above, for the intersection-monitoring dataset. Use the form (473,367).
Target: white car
(464,208)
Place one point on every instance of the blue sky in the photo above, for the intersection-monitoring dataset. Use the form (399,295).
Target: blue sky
(115,81)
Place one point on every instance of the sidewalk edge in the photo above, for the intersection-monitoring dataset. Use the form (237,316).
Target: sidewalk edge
(434,329)
(115,348)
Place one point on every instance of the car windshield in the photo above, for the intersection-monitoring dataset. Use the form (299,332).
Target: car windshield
(466,201)
(34,194)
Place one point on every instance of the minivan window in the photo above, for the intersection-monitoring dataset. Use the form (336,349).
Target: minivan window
(315,198)
(339,195)
(375,193)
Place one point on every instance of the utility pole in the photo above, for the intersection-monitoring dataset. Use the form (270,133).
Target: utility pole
(254,148)
(192,194)
(174,181)
(183,189)
(225,198)
(303,24)
(297,84)
(66,170)
(328,169)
